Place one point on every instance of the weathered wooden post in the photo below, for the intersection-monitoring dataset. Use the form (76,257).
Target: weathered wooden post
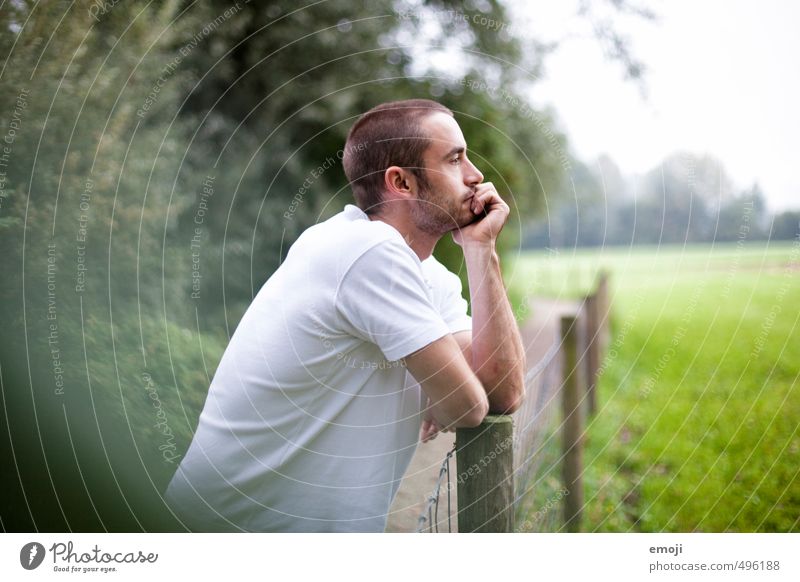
(597,332)
(485,464)
(572,392)
(593,348)
(603,311)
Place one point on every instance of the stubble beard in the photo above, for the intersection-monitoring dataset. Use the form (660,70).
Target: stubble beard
(439,214)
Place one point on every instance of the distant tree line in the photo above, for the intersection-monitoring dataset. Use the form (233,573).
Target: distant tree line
(685,199)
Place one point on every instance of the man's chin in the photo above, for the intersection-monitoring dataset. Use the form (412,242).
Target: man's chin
(468,219)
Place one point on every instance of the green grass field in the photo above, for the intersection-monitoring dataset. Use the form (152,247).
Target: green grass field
(699,404)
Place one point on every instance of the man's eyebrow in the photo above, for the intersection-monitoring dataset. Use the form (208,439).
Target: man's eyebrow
(455,150)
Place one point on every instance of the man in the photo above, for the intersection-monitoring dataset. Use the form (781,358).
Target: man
(312,418)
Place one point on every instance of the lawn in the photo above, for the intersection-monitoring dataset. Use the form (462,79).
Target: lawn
(699,404)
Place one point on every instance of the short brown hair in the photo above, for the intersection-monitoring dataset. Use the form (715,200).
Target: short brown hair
(389,134)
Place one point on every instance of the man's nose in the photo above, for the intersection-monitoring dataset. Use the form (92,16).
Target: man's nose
(473,175)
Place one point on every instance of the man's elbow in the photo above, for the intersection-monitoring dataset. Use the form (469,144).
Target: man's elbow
(508,405)
(508,397)
(475,415)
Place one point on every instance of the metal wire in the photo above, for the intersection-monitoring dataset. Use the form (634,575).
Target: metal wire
(535,419)
(432,508)
(537,447)
(541,380)
(546,361)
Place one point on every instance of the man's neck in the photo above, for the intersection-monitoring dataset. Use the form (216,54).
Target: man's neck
(421,243)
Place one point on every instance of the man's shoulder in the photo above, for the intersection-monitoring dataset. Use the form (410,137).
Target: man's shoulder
(345,237)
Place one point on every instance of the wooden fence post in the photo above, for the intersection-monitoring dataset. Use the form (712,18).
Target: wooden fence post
(603,311)
(572,392)
(485,464)
(592,349)
(597,313)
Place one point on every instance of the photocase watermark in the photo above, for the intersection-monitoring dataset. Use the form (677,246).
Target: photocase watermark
(6,147)
(197,236)
(525,110)
(101,8)
(52,321)
(81,236)
(741,236)
(523,309)
(478,466)
(315,175)
(619,339)
(552,503)
(677,337)
(456,16)
(168,449)
(69,560)
(769,321)
(31,555)
(169,69)
(348,360)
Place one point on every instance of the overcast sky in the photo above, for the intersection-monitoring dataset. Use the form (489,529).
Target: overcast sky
(723,78)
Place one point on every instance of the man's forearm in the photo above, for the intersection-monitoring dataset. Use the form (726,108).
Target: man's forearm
(498,356)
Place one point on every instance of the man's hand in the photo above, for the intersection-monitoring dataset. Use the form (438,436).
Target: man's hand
(430,428)
(494,211)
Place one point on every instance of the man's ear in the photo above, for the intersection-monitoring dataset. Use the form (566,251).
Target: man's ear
(399,183)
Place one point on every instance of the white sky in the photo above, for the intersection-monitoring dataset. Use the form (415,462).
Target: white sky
(723,78)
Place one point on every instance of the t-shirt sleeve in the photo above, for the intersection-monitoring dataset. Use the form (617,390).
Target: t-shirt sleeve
(383,299)
(452,306)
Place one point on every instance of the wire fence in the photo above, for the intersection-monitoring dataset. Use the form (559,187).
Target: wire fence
(429,518)
(537,445)
(534,444)
(546,464)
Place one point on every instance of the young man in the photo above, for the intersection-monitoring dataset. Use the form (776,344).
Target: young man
(312,417)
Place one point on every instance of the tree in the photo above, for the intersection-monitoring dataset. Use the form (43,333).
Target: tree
(786,225)
(89,199)
(743,217)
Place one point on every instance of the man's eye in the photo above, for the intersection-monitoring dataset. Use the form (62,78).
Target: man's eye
(455,160)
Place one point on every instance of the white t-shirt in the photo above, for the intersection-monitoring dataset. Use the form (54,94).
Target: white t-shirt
(312,419)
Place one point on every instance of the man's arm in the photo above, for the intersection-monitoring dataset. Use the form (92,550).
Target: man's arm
(494,350)
(455,395)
